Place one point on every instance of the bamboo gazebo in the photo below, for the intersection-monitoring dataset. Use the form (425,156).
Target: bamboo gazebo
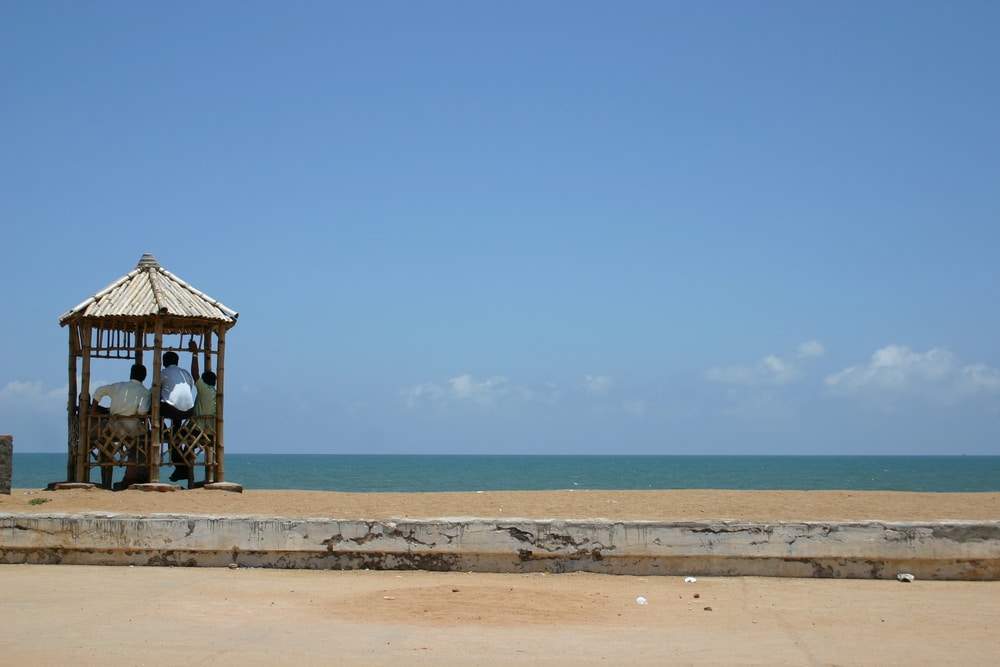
(140,313)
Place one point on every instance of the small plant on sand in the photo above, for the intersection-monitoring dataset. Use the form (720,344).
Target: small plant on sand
(38,501)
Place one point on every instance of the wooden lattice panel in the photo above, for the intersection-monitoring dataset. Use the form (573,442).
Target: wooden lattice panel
(116,441)
(190,446)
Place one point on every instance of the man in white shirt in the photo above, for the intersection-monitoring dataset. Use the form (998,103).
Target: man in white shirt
(204,406)
(128,399)
(177,391)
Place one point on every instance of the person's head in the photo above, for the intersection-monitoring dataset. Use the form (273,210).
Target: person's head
(209,378)
(170,358)
(138,372)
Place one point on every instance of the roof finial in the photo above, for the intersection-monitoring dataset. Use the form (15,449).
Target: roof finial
(147,262)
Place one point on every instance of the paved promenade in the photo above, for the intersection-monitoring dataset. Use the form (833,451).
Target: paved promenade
(88,615)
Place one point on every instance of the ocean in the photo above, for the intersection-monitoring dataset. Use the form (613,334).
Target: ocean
(361,473)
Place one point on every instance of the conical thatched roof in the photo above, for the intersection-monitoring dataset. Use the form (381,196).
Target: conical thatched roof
(150,292)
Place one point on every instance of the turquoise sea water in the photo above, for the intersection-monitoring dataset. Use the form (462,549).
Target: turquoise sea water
(415,473)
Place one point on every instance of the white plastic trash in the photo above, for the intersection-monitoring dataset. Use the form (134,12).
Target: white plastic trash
(641,600)
(689,580)
(905,577)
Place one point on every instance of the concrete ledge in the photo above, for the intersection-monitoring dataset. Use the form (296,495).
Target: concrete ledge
(868,549)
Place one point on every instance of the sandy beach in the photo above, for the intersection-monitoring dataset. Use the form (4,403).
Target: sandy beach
(676,505)
(248,616)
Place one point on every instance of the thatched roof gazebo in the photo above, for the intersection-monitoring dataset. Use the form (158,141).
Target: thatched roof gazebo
(126,320)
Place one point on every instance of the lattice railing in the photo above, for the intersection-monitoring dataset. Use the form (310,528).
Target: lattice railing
(115,441)
(191,445)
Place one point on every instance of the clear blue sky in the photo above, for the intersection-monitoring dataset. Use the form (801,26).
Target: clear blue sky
(552,227)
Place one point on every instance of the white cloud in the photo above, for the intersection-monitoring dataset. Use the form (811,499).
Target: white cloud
(36,417)
(597,384)
(16,391)
(467,389)
(935,374)
(428,391)
(770,370)
(810,348)
(31,396)
(549,393)
(980,377)
(464,387)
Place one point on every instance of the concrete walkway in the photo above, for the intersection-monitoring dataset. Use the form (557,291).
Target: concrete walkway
(87,615)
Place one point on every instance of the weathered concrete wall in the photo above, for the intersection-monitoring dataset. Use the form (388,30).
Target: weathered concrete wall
(870,549)
(6,462)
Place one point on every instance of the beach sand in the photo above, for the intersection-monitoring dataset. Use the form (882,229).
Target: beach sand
(678,505)
(217,616)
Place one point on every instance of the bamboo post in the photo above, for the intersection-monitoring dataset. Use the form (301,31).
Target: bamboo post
(138,348)
(139,343)
(220,470)
(82,451)
(153,461)
(72,416)
(206,365)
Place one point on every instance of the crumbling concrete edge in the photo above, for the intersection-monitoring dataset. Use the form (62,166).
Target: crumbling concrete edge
(952,550)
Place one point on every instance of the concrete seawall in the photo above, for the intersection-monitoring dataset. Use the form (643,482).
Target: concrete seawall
(866,549)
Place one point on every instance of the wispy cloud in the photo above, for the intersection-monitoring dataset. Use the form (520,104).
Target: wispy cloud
(34,415)
(420,393)
(810,348)
(770,370)
(463,389)
(597,384)
(32,396)
(936,374)
(466,388)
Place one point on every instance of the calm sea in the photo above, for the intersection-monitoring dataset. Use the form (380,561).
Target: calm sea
(413,473)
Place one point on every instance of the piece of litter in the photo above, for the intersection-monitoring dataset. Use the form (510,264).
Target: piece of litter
(641,600)
(690,580)
(905,577)
(708,609)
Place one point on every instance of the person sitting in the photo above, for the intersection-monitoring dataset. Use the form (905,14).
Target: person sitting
(204,402)
(128,399)
(204,406)
(177,391)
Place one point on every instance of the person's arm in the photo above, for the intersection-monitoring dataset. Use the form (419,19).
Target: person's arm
(193,347)
(96,400)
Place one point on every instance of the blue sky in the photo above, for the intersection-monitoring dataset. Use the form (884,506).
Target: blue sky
(555,227)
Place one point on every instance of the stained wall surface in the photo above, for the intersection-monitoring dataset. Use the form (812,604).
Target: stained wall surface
(6,463)
(867,549)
